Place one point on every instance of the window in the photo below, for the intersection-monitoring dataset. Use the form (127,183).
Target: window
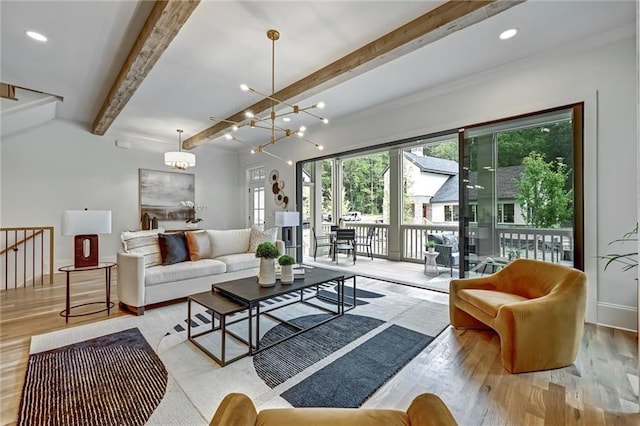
(451,213)
(473,213)
(506,213)
(257,175)
(256,178)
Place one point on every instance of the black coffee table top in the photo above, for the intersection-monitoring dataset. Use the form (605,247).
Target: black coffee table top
(248,289)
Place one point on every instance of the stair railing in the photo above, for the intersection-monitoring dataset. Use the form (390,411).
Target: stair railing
(23,251)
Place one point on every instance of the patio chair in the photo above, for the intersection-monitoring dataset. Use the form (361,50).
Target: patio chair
(321,241)
(345,241)
(365,242)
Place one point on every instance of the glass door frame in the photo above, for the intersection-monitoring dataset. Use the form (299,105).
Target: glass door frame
(577,117)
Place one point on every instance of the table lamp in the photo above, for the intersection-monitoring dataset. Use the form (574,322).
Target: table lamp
(85,225)
(287,220)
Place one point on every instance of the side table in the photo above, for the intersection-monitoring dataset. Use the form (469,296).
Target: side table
(430,265)
(108,304)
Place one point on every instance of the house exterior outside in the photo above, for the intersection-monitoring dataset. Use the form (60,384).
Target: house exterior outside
(432,191)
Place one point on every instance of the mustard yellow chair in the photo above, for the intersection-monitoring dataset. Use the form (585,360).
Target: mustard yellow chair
(537,308)
(237,409)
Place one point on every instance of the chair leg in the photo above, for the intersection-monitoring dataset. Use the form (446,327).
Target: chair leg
(315,252)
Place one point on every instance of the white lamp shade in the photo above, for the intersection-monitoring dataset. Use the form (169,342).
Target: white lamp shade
(79,222)
(287,218)
(179,159)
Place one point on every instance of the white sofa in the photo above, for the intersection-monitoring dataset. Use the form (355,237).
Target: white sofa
(144,281)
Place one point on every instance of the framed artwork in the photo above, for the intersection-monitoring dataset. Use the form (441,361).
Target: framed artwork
(161,193)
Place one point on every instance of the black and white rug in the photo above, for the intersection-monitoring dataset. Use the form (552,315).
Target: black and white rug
(341,363)
(93,382)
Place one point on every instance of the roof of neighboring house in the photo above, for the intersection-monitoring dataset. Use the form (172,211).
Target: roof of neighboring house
(430,164)
(504,176)
(433,164)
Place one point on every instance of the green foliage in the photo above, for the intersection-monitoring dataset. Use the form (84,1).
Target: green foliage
(446,150)
(362,183)
(541,192)
(627,260)
(553,140)
(430,244)
(267,250)
(285,259)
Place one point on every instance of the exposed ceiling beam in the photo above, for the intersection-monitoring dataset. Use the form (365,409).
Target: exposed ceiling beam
(164,22)
(428,28)
(8,91)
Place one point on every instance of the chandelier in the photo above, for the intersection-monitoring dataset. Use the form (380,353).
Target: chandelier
(268,122)
(178,159)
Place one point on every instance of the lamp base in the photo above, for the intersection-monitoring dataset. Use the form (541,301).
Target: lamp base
(287,236)
(85,251)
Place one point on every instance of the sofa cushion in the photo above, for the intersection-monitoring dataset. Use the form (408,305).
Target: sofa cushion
(199,245)
(451,240)
(239,262)
(230,241)
(183,271)
(259,236)
(173,248)
(488,301)
(144,243)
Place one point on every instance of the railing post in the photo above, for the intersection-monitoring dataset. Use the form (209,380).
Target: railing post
(12,246)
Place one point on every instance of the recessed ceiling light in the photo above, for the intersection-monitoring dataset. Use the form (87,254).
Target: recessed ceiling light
(287,119)
(36,36)
(507,34)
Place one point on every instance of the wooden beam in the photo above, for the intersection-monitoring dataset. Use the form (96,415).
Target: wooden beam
(163,24)
(8,91)
(442,21)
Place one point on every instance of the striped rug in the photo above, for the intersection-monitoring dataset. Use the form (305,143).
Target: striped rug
(95,382)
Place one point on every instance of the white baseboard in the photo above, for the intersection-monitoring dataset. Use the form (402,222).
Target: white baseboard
(618,316)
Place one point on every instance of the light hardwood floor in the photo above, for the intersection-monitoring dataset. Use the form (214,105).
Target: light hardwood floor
(463,367)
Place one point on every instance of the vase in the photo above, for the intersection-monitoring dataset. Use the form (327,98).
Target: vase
(287,274)
(431,249)
(267,274)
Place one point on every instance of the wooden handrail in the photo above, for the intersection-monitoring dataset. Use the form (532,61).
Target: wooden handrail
(21,241)
(15,245)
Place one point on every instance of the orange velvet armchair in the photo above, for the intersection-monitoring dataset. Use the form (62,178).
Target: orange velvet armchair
(237,409)
(537,308)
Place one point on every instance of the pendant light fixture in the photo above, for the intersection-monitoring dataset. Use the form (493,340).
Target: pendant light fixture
(268,122)
(178,159)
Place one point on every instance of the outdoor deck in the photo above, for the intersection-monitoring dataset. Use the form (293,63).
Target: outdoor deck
(549,245)
(407,273)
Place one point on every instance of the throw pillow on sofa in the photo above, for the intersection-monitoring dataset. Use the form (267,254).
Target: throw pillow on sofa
(229,241)
(173,248)
(259,236)
(144,243)
(199,245)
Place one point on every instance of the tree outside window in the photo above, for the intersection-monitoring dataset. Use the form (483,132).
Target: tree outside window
(541,192)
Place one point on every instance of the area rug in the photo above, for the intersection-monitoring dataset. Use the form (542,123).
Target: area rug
(94,382)
(396,317)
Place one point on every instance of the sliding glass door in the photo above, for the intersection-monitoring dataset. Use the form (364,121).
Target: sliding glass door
(518,191)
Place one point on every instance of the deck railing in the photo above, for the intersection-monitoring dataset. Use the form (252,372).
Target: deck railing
(23,252)
(551,245)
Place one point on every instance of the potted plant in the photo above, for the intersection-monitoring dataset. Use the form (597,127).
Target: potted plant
(628,260)
(267,252)
(513,253)
(430,246)
(286,262)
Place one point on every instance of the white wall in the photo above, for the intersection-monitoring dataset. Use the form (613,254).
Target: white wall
(60,165)
(604,78)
